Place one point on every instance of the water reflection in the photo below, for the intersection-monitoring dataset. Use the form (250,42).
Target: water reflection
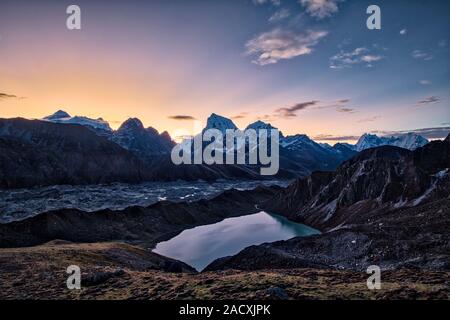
(201,245)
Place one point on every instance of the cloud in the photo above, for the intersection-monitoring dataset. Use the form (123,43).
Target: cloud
(418,54)
(241,115)
(442,43)
(429,133)
(370,58)
(7,96)
(425,82)
(181,117)
(429,100)
(280,15)
(266,117)
(260,2)
(369,119)
(403,32)
(4,96)
(329,137)
(339,105)
(358,56)
(279,44)
(345,110)
(290,112)
(320,8)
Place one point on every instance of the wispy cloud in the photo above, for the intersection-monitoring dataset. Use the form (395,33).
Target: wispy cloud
(419,54)
(4,96)
(403,32)
(330,137)
(279,44)
(181,117)
(320,8)
(442,43)
(347,59)
(369,119)
(425,82)
(260,2)
(290,112)
(370,58)
(280,15)
(266,117)
(429,100)
(339,105)
(241,115)
(345,110)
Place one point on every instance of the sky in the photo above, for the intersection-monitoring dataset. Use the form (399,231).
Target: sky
(306,66)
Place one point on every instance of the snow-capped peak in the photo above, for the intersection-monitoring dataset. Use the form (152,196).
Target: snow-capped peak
(260,125)
(367,141)
(218,122)
(409,141)
(60,114)
(296,141)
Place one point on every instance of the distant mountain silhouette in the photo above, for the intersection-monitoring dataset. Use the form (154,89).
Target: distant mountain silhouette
(142,142)
(34,153)
(63,149)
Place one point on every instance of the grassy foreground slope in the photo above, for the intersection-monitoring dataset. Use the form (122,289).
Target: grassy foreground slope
(122,271)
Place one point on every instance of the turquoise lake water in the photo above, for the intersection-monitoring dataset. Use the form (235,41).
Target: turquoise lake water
(201,245)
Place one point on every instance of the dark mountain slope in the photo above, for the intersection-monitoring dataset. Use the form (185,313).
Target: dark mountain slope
(34,152)
(387,206)
(384,177)
(142,142)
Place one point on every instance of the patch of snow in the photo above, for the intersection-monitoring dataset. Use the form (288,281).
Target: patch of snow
(330,209)
(441,174)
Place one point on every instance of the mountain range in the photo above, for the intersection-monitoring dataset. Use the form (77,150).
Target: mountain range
(65,149)
(133,127)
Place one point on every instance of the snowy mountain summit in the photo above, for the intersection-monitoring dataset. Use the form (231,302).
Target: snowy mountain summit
(61,116)
(409,141)
(218,122)
(260,125)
